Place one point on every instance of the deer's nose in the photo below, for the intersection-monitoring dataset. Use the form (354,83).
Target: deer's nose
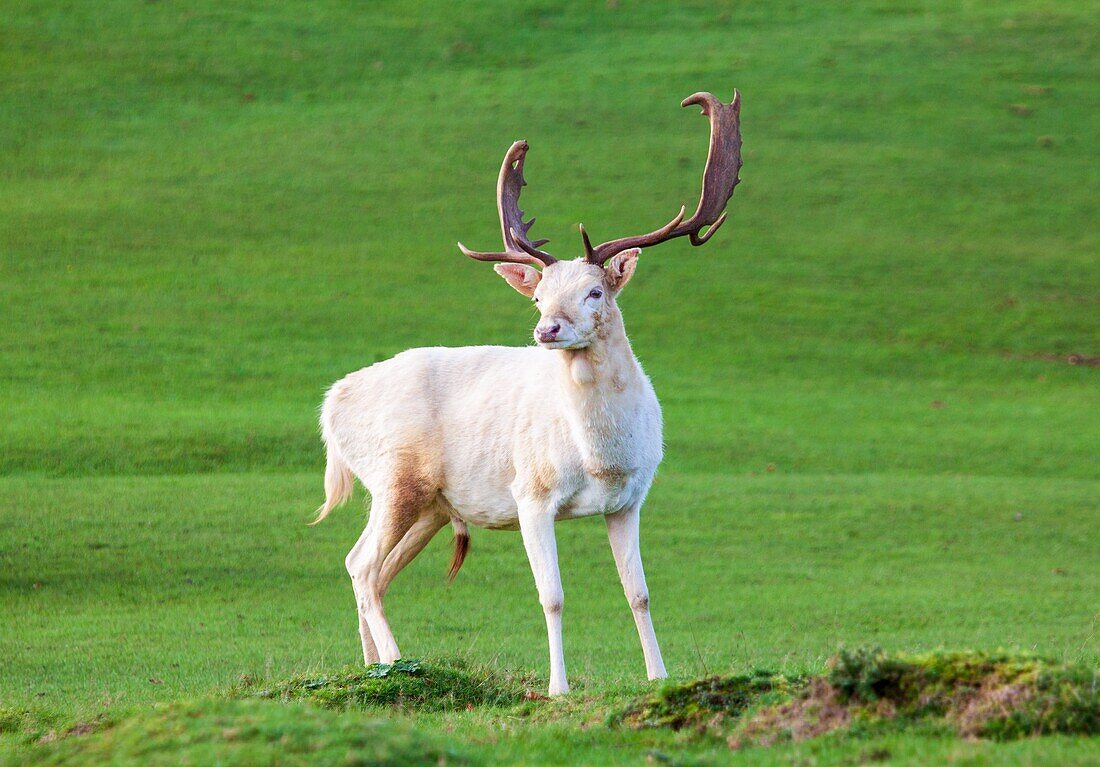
(548,334)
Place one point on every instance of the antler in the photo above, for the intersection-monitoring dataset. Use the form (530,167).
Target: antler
(518,248)
(719,179)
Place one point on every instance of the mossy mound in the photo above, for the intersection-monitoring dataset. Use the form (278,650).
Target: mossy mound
(708,704)
(254,732)
(977,695)
(991,695)
(408,684)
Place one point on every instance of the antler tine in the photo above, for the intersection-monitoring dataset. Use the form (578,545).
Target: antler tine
(532,248)
(518,248)
(589,253)
(720,177)
(698,239)
(643,240)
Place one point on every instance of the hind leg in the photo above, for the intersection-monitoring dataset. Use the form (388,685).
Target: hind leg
(370,651)
(393,513)
(403,553)
(413,542)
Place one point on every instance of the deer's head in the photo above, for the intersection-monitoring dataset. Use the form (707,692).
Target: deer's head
(576,298)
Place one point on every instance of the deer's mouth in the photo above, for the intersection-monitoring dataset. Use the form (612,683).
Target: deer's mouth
(565,343)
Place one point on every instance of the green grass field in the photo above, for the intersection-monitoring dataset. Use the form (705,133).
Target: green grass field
(208,213)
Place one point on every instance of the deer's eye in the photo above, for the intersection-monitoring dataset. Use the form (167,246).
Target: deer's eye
(595,293)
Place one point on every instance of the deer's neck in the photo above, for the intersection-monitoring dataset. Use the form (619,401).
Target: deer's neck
(605,369)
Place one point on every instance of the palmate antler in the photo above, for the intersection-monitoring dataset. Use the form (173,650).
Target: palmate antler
(518,248)
(719,179)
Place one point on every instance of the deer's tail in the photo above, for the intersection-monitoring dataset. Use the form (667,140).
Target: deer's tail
(462,547)
(339,481)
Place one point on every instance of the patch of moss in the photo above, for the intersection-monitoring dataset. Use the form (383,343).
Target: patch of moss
(437,686)
(923,684)
(708,703)
(252,732)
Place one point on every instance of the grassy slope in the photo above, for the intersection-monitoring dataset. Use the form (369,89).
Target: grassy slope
(207,215)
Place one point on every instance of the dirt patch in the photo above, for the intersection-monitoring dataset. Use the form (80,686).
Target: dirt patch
(1085,360)
(75,731)
(1081,359)
(817,711)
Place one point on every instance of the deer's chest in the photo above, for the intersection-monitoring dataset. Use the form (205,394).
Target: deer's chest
(616,461)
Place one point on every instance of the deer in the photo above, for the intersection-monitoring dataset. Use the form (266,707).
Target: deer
(507,438)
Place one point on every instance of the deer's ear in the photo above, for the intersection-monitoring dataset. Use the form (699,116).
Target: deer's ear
(520,276)
(620,268)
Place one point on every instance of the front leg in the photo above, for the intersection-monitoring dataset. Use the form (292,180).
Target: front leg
(536,524)
(622,531)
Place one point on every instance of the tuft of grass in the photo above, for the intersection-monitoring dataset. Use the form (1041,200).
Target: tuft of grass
(252,732)
(28,722)
(443,685)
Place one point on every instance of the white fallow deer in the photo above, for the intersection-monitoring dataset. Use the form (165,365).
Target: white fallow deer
(506,438)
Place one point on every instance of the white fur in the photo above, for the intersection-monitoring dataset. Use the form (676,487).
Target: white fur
(503,438)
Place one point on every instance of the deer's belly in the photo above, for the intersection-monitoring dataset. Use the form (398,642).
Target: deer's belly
(586,494)
(484,505)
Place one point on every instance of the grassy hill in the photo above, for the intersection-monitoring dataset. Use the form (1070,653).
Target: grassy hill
(874,433)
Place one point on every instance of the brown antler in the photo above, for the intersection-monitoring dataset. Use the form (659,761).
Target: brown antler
(518,249)
(719,179)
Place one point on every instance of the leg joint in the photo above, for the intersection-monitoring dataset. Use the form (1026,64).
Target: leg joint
(552,604)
